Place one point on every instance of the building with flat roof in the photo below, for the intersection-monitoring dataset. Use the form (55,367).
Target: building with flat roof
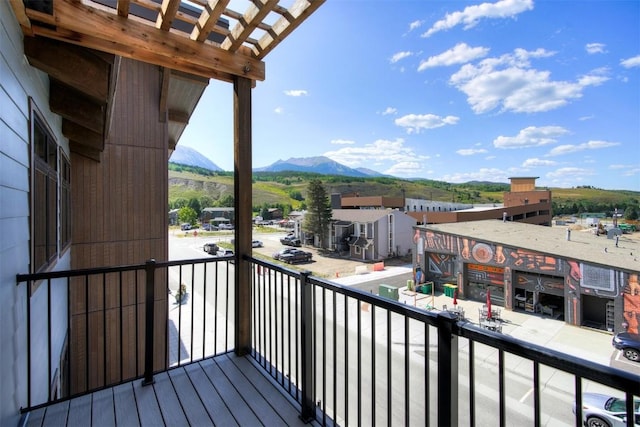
(578,276)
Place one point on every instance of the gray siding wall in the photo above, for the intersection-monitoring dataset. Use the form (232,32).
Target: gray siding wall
(18,82)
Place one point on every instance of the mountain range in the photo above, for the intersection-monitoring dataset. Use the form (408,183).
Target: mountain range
(188,156)
(321,165)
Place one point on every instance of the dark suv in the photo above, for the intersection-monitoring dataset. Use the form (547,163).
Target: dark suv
(291,241)
(629,344)
(210,248)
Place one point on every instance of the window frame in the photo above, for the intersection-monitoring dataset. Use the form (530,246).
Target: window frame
(45,191)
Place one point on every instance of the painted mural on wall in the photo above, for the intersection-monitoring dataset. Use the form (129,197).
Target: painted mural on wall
(441,251)
(631,295)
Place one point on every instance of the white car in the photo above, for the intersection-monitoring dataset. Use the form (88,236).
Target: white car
(256,244)
(600,410)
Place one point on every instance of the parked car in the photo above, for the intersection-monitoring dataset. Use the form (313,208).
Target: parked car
(629,344)
(256,244)
(296,256)
(284,252)
(600,410)
(210,248)
(185,226)
(224,252)
(225,226)
(291,240)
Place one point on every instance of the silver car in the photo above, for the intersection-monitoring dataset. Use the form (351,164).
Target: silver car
(600,410)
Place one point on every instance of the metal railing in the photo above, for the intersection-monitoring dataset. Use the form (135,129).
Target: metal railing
(347,357)
(98,320)
(352,358)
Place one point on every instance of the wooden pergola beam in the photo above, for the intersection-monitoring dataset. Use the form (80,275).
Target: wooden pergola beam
(129,38)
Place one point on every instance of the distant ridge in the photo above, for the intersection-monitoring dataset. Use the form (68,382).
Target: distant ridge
(188,156)
(319,164)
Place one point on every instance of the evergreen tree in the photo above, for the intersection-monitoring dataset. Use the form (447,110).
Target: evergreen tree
(319,213)
(195,205)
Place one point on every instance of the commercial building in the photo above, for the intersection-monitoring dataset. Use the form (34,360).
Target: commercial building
(578,276)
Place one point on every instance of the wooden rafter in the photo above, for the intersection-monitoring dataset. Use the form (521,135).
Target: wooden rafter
(208,19)
(111,26)
(167,14)
(288,22)
(249,22)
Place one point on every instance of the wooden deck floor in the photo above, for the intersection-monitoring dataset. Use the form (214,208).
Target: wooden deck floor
(224,391)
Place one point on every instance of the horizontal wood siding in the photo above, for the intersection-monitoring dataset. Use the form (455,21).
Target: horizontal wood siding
(119,218)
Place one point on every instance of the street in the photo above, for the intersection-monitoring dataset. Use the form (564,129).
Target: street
(556,387)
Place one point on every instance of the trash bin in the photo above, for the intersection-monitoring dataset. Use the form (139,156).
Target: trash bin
(449,289)
(388,291)
(425,289)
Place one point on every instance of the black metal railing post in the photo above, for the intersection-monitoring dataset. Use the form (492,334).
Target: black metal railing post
(150,272)
(307,384)
(447,370)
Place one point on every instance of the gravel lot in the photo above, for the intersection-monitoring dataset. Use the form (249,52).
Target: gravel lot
(325,266)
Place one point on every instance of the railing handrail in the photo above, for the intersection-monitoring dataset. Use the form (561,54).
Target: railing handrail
(449,330)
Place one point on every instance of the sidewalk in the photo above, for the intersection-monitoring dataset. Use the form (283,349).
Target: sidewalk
(586,343)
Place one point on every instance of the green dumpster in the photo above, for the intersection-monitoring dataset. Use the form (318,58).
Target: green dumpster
(388,291)
(424,289)
(449,289)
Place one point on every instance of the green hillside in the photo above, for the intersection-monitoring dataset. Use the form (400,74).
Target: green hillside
(288,189)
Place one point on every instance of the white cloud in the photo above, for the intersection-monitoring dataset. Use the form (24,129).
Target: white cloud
(414,25)
(459,54)
(407,168)
(471,15)
(298,92)
(278,110)
(591,145)
(414,123)
(380,151)
(509,83)
(592,48)
(627,170)
(571,172)
(530,163)
(631,62)
(471,151)
(342,142)
(389,110)
(400,55)
(531,136)
(484,174)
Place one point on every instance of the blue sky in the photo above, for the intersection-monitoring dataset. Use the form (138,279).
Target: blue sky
(449,90)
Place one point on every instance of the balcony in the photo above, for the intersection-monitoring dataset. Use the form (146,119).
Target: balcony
(320,353)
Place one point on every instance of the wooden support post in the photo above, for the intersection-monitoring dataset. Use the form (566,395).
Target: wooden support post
(243,211)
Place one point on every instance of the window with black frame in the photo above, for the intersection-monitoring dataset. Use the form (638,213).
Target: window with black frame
(44,194)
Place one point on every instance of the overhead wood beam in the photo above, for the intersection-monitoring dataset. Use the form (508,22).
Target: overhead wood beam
(178,117)
(131,39)
(208,19)
(167,13)
(107,46)
(82,135)
(284,26)
(85,151)
(245,26)
(72,65)
(74,106)
(21,16)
